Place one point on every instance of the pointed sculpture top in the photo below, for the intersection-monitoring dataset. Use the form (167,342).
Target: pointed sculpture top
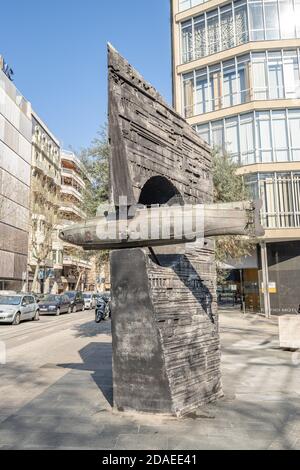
(122,68)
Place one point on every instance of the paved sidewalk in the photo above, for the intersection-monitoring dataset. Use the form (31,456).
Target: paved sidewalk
(68,404)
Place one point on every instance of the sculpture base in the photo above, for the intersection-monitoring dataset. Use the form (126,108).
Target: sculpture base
(166,349)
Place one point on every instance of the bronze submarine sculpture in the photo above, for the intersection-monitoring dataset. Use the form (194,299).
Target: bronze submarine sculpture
(164,225)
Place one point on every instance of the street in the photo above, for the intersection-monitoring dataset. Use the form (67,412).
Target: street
(56,391)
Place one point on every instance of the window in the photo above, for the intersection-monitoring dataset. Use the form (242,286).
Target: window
(294,131)
(297,17)
(218,134)
(247,139)
(271,19)
(256,21)
(241,22)
(268,196)
(243,78)
(186,4)
(275,67)
(287,19)
(202,98)
(280,136)
(263,137)
(188,94)
(237,23)
(280,195)
(232,138)
(215,83)
(213,31)
(259,74)
(227,27)
(187,41)
(285,200)
(230,88)
(200,37)
(291,74)
(204,132)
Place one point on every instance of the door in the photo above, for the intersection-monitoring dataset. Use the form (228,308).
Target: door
(65,303)
(31,305)
(26,309)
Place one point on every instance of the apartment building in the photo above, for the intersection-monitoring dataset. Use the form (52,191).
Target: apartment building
(236,79)
(44,205)
(15,171)
(71,264)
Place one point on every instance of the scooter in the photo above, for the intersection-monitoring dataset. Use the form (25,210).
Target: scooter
(100,311)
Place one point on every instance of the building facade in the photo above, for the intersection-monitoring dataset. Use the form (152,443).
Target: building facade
(236,79)
(44,203)
(15,173)
(72,266)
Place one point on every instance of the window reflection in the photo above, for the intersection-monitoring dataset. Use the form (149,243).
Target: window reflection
(266,75)
(257,137)
(229,26)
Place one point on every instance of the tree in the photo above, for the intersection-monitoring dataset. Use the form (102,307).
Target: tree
(228,187)
(44,221)
(95,159)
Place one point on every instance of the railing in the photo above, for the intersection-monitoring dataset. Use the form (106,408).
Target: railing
(68,207)
(49,172)
(72,173)
(71,190)
(74,261)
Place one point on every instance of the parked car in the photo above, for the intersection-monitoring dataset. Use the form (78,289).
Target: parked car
(18,307)
(38,297)
(90,300)
(55,304)
(77,301)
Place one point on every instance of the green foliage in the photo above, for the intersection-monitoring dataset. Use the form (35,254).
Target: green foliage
(96,162)
(228,187)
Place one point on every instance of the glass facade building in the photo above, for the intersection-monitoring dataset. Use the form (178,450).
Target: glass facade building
(236,79)
(268,136)
(237,23)
(280,194)
(267,75)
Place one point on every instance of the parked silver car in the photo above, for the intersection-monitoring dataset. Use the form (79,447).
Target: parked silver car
(18,307)
(90,300)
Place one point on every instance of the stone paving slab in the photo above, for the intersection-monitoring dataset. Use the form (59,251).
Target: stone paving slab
(71,405)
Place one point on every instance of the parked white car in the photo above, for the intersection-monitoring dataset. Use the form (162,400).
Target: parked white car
(18,307)
(89,300)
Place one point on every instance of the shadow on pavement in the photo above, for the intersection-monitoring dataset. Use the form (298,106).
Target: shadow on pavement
(97,359)
(92,330)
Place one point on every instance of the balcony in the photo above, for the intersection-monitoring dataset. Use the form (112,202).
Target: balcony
(70,208)
(67,172)
(71,191)
(70,161)
(78,262)
(47,170)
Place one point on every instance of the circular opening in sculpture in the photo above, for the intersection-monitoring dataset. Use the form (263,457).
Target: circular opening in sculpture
(159,190)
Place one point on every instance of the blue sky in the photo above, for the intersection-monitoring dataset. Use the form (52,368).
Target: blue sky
(57,49)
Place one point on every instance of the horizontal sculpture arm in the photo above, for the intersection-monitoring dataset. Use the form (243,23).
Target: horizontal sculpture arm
(165,225)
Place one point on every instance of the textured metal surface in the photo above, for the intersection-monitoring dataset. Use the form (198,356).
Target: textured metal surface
(165,325)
